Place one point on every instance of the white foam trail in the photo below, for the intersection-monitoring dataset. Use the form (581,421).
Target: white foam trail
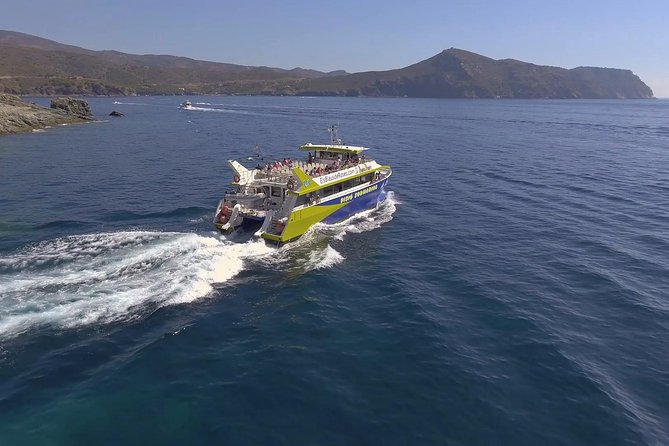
(206,109)
(310,252)
(219,110)
(102,278)
(325,259)
(367,220)
(130,103)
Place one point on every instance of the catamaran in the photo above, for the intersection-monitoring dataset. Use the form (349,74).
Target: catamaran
(287,197)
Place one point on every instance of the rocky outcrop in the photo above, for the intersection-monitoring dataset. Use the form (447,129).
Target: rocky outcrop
(118,114)
(72,106)
(18,116)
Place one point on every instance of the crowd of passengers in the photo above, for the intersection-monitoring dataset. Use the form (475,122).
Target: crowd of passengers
(351,160)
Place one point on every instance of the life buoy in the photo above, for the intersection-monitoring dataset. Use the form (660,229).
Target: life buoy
(291,185)
(236,178)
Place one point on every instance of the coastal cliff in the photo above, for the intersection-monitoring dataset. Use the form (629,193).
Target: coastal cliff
(456,73)
(31,65)
(18,116)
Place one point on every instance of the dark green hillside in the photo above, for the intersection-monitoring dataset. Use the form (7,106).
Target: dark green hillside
(461,74)
(31,65)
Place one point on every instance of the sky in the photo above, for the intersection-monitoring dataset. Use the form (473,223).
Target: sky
(363,35)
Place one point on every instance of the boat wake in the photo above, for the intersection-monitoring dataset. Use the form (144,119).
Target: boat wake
(102,278)
(365,221)
(206,109)
(215,109)
(109,277)
(132,103)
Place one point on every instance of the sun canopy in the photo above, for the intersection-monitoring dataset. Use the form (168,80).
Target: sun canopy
(334,148)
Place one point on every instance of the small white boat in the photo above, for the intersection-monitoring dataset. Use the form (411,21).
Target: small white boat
(186,105)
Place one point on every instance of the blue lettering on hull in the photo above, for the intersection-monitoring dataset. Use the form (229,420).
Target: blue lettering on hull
(359,201)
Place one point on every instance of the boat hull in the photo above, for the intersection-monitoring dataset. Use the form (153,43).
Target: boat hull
(248,223)
(331,211)
(375,194)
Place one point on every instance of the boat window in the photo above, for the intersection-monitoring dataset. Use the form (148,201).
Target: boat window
(276,191)
(301,200)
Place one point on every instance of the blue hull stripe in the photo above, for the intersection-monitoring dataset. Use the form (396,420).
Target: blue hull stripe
(357,204)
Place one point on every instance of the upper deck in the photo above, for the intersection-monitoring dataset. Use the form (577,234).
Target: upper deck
(325,164)
(336,148)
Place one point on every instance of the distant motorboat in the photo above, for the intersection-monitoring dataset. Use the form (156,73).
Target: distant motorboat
(186,105)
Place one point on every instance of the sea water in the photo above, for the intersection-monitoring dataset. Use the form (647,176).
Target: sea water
(512,289)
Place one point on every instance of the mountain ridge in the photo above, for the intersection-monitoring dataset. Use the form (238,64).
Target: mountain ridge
(31,65)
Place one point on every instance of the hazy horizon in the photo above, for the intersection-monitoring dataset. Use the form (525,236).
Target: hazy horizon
(374,37)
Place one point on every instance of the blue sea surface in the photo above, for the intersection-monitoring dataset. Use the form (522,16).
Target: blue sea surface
(513,289)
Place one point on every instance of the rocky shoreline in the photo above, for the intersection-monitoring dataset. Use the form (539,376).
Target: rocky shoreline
(17,116)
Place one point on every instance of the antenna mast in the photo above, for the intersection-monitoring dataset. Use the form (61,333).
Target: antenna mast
(334,138)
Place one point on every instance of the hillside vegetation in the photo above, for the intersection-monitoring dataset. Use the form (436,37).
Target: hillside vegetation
(31,65)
